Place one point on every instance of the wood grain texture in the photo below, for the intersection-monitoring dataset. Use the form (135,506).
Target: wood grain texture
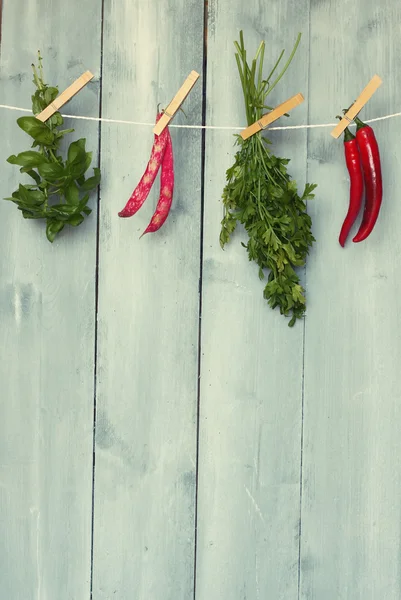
(47,297)
(351,531)
(148,313)
(251,371)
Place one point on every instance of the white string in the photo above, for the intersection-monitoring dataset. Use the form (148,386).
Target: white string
(231,128)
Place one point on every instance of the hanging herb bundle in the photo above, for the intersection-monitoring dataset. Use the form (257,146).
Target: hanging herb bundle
(60,191)
(261,195)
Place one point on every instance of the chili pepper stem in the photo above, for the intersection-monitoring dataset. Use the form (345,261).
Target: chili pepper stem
(359,123)
(348,135)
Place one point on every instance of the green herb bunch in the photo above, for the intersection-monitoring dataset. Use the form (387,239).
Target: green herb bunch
(261,195)
(60,191)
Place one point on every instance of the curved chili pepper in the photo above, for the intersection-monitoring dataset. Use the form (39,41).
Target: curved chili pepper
(143,188)
(370,158)
(353,163)
(166,189)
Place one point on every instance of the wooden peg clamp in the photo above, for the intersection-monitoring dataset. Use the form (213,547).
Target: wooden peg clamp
(272,116)
(364,97)
(65,96)
(176,102)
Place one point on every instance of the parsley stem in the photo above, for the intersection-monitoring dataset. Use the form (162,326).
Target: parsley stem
(275,67)
(287,64)
(261,195)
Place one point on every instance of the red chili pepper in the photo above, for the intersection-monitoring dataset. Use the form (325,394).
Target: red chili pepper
(166,189)
(370,158)
(353,162)
(143,188)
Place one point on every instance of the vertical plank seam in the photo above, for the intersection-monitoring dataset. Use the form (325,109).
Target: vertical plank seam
(304,337)
(200,289)
(96,303)
(1,14)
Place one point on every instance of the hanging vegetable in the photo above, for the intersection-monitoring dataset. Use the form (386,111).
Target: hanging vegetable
(144,186)
(261,195)
(353,162)
(60,192)
(161,156)
(371,166)
(166,188)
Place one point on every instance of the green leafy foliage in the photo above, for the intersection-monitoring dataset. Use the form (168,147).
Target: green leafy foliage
(59,193)
(261,195)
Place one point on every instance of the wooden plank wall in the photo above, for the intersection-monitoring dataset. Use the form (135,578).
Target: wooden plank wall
(148,314)
(251,399)
(351,480)
(235,458)
(47,300)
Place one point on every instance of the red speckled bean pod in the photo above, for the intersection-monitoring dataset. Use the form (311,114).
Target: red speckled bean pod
(143,188)
(166,189)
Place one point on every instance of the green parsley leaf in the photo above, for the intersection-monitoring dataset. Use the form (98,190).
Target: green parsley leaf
(261,195)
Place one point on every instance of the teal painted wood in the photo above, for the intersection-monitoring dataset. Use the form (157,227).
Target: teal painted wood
(47,297)
(351,482)
(251,373)
(148,314)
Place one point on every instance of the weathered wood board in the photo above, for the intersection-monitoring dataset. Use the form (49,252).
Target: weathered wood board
(47,300)
(351,480)
(148,313)
(291,489)
(251,369)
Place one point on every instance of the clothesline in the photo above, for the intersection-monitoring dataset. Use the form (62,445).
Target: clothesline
(215,127)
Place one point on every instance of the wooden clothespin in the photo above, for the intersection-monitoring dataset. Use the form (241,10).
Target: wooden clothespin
(65,96)
(365,96)
(273,115)
(176,102)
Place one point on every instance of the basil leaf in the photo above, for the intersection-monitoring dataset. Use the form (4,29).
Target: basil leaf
(72,194)
(56,120)
(37,130)
(52,229)
(92,182)
(52,171)
(60,134)
(64,208)
(23,194)
(77,170)
(30,158)
(37,197)
(50,94)
(83,202)
(30,213)
(34,197)
(75,220)
(76,151)
(37,103)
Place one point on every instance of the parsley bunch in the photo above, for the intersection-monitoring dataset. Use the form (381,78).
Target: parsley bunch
(261,195)
(60,191)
